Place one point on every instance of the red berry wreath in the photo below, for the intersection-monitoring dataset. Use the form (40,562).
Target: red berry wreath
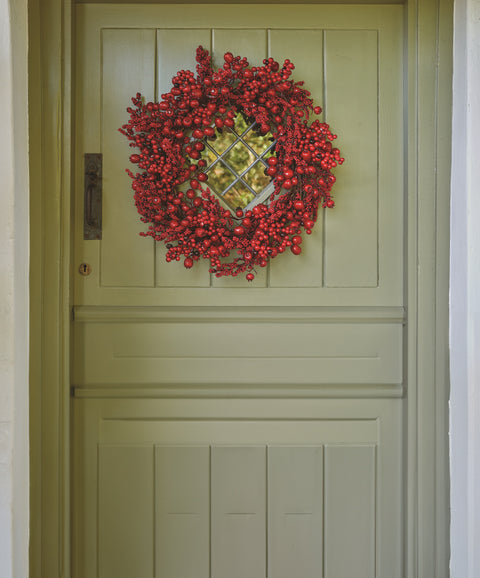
(173,136)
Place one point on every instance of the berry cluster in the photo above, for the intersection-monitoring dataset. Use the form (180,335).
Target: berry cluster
(170,135)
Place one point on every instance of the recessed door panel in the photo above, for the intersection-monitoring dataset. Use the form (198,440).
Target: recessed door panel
(261,488)
(344,56)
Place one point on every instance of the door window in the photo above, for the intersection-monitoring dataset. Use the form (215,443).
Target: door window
(236,163)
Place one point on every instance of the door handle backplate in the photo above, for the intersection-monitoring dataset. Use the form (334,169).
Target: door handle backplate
(92,205)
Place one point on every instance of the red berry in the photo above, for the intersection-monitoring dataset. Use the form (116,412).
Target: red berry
(188,263)
(296,249)
(250,277)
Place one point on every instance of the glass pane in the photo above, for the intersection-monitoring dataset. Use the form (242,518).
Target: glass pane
(269,153)
(223,140)
(238,196)
(257,178)
(258,142)
(219,177)
(239,158)
(209,156)
(241,124)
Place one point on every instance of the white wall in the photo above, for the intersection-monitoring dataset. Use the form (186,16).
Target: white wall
(6,299)
(465,295)
(13,291)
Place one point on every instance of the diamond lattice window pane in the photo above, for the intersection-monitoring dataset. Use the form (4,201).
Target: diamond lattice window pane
(223,140)
(239,196)
(220,177)
(239,158)
(241,124)
(257,178)
(258,142)
(209,156)
(269,153)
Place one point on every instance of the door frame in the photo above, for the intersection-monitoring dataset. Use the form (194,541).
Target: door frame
(428,73)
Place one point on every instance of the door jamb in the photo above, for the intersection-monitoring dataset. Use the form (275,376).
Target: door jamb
(50,105)
(428,75)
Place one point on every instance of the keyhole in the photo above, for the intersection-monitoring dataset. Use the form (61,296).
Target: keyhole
(85,269)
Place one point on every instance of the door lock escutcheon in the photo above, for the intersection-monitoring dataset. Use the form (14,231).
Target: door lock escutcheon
(85,269)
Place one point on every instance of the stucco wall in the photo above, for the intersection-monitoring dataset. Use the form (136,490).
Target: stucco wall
(13,291)
(465,295)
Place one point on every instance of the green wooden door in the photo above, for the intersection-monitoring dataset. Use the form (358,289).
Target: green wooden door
(233,430)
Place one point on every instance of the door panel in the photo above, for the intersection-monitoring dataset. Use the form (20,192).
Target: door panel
(294,44)
(350,511)
(183,43)
(352,259)
(221,428)
(268,487)
(237,352)
(350,59)
(295,506)
(238,511)
(125,515)
(119,81)
(182,506)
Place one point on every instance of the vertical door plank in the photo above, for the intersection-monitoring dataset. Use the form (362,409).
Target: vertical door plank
(176,51)
(251,43)
(182,498)
(350,511)
(128,67)
(238,512)
(125,518)
(307,270)
(295,517)
(351,228)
